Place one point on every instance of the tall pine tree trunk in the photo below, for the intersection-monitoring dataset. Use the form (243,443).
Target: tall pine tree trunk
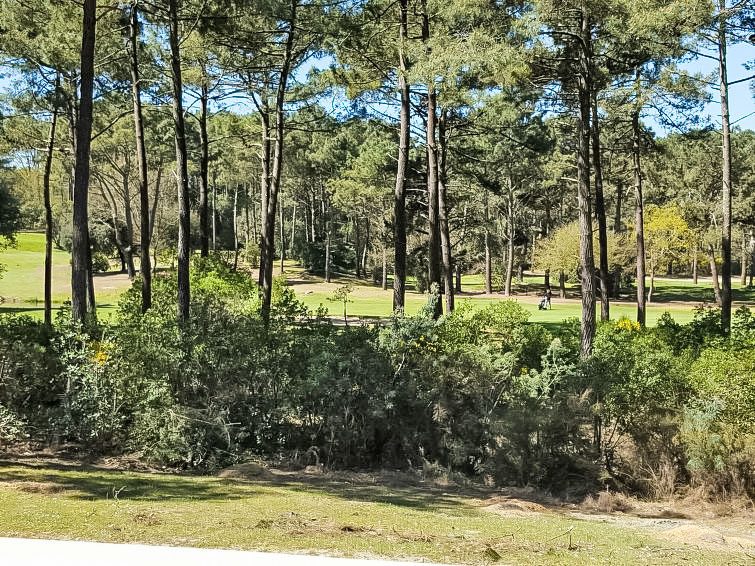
(48,211)
(639,218)
(445,236)
(182,174)
(584,205)
(264,187)
(327,245)
(384,275)
(488,255)
(283,236)
(743,262)
(619,199)
(292,241)
(204,159)
(145,229)
(714,275)
(726,178)
(366,245)
(488,264)
(695,253)
(128,248)
(236,227)
(510,244)
(434,274)
(81,270)
(277,163)
(600,214)
(399,201)
(357,247)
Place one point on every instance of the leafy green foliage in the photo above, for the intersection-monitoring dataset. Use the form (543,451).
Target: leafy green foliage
(479,391)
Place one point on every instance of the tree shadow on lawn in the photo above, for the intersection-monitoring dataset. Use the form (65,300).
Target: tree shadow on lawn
(412,496)
(88,482)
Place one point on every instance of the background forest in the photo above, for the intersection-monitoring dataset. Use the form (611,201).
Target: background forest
(208,148)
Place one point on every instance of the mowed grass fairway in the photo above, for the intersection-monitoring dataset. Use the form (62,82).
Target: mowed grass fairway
(22,284)
(22,290)
(334,516)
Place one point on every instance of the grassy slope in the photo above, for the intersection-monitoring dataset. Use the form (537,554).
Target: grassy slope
(22,288)
(337,518)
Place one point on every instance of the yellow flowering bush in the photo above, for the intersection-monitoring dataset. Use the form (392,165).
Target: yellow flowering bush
(627,325)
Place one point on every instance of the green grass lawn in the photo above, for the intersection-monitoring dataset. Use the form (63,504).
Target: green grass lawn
(22,284)
(21,288)
(375,307)
(324,516)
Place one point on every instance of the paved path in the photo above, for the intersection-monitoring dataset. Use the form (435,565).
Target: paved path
(33,552)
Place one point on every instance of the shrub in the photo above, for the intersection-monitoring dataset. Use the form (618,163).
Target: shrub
(100,262)
(12,428)
(719,423)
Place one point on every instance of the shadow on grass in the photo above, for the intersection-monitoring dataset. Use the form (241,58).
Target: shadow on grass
(4,309)
(407,496)
(686,292)
(84,482)
(87,482)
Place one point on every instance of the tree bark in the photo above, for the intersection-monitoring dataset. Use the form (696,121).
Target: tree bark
(562,284)
(726,177)
(204,160)
(145,228)
(694,264)
(384,275)
(399,202)
(182,175)
(434,272)
(235,227)
(488,258)
(283,237)
(600,214)
(129,223)
(313,214)
(327,246)
(48,211)
(153,214)
(365,246)
(445,236)
(619,198)
(510,243)
(264,187)
(714,275)
(275,177)
(488,264)
(292,242)
(81,270)
(639,219)
(744,257)
(357,247)
(583,193)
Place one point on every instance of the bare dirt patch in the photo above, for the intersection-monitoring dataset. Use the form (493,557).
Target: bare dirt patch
(246,471)
(707,537)
(512,506)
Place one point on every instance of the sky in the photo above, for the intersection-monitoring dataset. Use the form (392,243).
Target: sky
(741,96)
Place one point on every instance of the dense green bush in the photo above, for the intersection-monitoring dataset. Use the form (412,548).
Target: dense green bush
(480,391)
(100,262)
